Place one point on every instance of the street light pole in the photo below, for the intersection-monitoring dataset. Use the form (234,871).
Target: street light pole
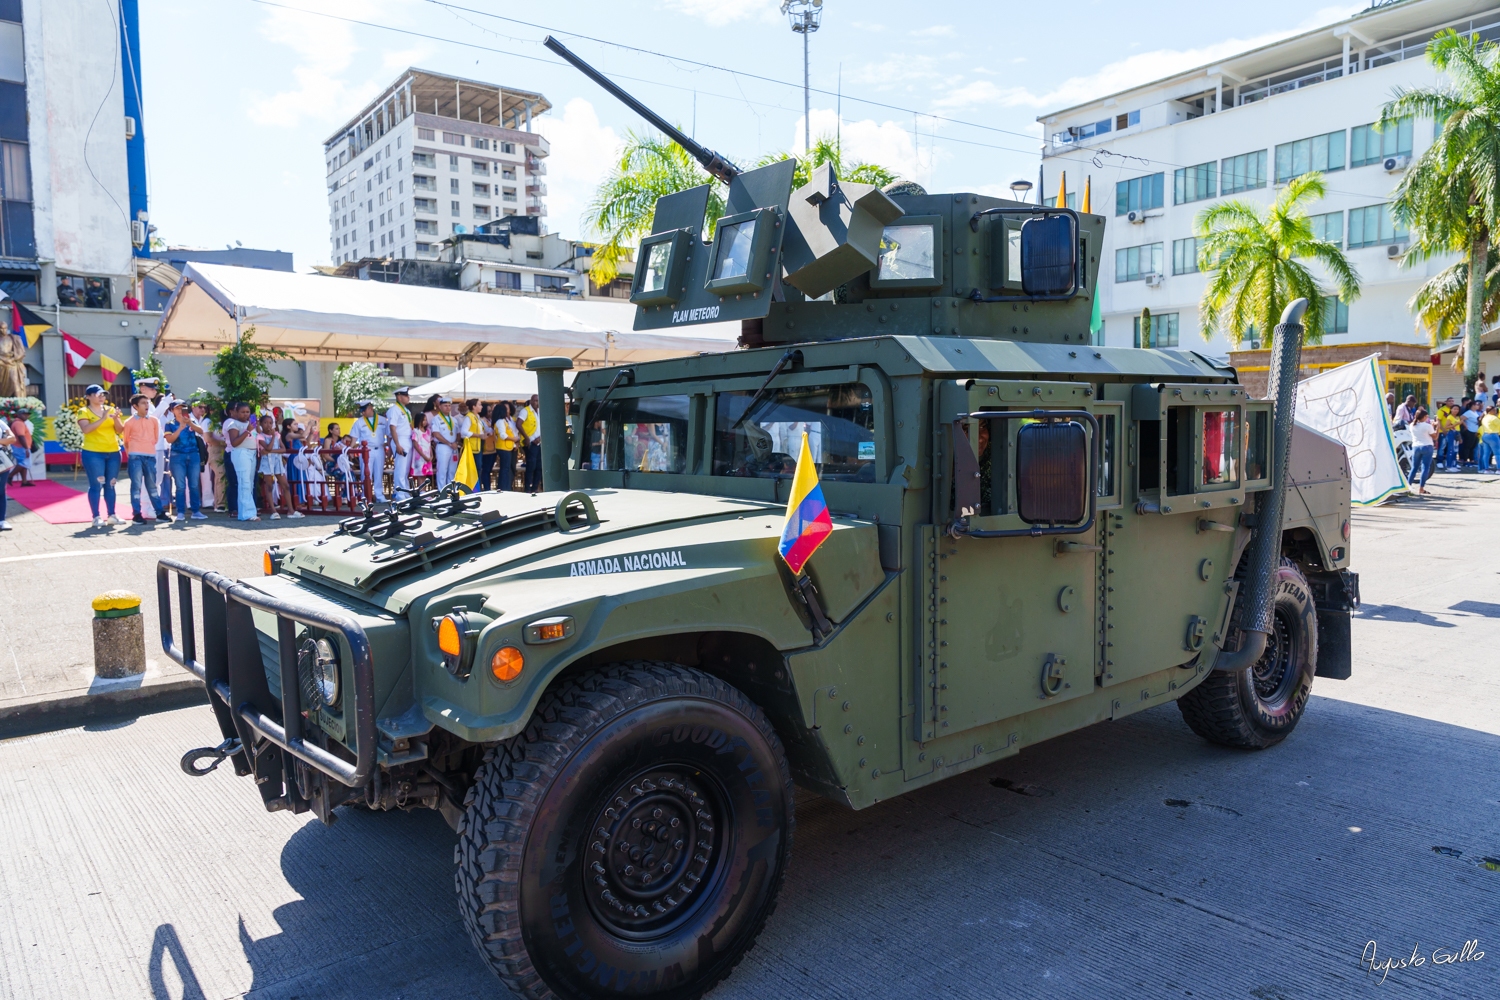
(806,16)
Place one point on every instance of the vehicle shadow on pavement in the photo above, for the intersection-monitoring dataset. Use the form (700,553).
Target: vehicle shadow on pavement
(1126,860)
(165,944)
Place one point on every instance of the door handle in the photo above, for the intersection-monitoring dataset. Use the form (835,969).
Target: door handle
(1065,547)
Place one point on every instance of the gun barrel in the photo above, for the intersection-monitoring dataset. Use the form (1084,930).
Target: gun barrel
(713,162)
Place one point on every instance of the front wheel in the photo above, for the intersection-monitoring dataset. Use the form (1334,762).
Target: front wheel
(1259,706)
(632,840)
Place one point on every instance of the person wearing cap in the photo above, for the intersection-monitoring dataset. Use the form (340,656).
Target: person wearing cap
(101,425)
(161,404)
(182,434)
(444,442)
(369,430)
(398,436)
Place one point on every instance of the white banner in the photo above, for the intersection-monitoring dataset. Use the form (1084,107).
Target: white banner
(1348,404)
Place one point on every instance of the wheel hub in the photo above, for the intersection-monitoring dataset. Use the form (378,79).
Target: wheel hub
(650,849)
(1275,665)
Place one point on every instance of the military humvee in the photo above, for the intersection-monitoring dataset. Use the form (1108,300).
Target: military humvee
(610,689)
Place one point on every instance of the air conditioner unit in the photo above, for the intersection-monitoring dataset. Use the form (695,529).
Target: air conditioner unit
(129,128)
(137,232)
(1395,163)
(1394,251)
(1135,218)
(1154,280)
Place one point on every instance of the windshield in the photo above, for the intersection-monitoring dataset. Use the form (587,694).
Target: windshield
(839,422)
(644,434)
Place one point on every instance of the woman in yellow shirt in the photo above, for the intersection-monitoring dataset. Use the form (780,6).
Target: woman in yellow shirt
(1448,424)
(101,426)
(505,446)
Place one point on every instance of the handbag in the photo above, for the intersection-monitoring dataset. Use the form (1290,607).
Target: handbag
(7,459)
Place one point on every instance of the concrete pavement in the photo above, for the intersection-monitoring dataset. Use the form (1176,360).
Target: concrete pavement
(1127,860)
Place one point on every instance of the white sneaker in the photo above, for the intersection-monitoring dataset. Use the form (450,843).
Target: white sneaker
(113,521)
(275,516)
(198,515)
(296,513)
(4,525)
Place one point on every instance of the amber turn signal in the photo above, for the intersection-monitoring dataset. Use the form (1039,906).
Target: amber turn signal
(507,663)
(549,632)
(450,641)
(266,564)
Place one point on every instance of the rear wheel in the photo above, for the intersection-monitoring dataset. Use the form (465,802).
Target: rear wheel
(632,840)
(1258,706)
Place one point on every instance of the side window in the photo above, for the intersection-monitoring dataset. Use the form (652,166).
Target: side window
(1221,453)
(839,421)
(643,434)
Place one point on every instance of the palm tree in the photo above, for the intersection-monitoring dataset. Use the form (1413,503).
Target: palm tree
(827,149)
(1257,259)
(649,167)
(1442,303)
(1450,198)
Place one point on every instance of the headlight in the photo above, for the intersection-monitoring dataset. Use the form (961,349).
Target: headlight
(318,668)
(456,642)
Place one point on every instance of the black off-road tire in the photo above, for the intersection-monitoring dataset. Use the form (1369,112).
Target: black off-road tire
(1257,707)
(667,775)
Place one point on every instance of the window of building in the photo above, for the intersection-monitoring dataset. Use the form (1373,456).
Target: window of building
(507,279)
(1368,146)
(508,147)
(482,212)
(1335,315)
(1328,227)
(481,190)
(453,138)
(1128,119)
(1163,330)
(549,282)
(401,187)
(1070,201)
(370,164)
(478,143)
(1077,133)
(398,146)
(1323,153)
(481,168)
(23,288)
(1134,263)
(1139,194)
(1185,256)
(403,232)
(508,173)
(427,160)
(1096,337)
(85,292)
(17,233)
(453,207)
(1195,183)
(424,205)
(453,163)
(509,194)
(1373,226)
(426,226)
(1245,172)
(424,247)
(453,185)
(426,133)
(399,168)
(12,53)
(421,182)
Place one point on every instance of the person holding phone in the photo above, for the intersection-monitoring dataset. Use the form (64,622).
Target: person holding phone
(101,426)
(241,443)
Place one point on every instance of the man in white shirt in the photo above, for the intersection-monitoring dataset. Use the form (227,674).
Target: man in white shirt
(369,430)
(240,441)
(398,436)
(444,443)
(161,404)
(530,423)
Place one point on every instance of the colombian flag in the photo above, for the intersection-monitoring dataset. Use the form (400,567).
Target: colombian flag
(807,520)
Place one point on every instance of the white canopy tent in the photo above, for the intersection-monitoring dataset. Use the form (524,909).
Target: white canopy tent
(482,383)
(317,318)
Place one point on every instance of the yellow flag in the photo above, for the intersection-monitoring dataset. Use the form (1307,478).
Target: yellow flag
(1062,190)
(467,475)
(1088,185)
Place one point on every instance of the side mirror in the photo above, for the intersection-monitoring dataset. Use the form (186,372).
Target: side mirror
(1049,255)
(1052,473)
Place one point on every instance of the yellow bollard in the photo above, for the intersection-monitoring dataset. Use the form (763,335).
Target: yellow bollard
(119,635)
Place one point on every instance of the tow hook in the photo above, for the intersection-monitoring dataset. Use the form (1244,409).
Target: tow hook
(190,760)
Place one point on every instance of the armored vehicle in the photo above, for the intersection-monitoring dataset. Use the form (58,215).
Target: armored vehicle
(610,689)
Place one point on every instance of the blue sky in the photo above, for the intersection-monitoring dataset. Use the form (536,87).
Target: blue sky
(239,94)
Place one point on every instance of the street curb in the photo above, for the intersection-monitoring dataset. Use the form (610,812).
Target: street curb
(28,716)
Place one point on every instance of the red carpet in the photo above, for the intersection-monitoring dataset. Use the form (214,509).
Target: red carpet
(59,504)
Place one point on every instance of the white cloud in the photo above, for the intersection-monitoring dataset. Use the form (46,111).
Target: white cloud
(721,12)
(1134,70)
(887,143)
(324,48)
(582,153)
(934,31)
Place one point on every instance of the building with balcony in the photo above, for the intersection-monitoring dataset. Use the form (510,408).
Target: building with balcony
(432,157)
(1242,127)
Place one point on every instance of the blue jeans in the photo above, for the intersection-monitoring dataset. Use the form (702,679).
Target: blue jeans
(244,474)
(1489,447)
(1447,449)
(102,468)
(507,465)
(1421,464)
(187,472)
(143,476)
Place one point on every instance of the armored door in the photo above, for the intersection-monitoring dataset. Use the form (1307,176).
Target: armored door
(1012,595)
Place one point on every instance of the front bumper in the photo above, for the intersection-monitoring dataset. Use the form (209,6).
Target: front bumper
(276,745)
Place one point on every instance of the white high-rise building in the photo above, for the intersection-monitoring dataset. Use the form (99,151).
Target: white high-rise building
(432,156)
(1160,153)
